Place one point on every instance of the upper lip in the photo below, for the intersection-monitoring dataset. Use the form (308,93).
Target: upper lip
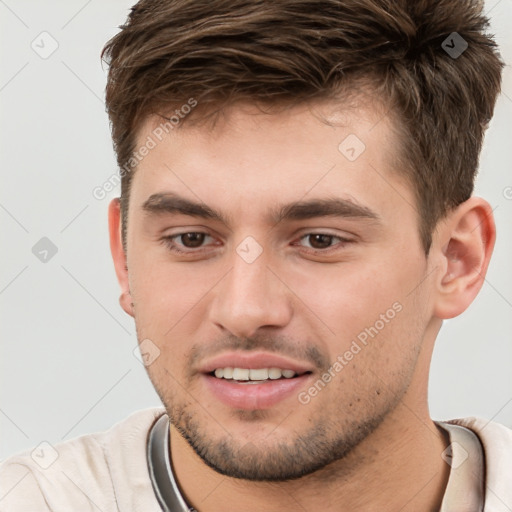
(254,360)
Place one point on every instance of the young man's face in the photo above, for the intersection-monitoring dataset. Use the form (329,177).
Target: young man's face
(342,299)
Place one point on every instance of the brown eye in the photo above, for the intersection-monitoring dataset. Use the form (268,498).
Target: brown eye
(323,242)
(192,240)
(190,243)
(320,241)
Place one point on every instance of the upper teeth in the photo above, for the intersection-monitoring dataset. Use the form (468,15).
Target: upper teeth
(253,374)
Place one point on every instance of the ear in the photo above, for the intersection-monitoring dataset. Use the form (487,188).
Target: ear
(464,245)
(118,254)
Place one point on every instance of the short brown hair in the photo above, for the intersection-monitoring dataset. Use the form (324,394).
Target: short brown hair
(412,53)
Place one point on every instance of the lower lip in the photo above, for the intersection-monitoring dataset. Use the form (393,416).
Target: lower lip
(250,397)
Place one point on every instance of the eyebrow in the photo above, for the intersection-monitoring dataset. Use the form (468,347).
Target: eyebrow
(171,203)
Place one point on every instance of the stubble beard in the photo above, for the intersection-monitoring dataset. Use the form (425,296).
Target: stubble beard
(313,451)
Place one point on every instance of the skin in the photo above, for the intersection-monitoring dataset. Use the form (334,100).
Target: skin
(366,440)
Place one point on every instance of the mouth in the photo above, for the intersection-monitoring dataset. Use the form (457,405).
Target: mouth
(255,375)
(249,381)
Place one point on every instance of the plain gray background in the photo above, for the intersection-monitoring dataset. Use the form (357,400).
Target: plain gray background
(67,363)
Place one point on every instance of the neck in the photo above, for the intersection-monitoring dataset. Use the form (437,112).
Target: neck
(397,467)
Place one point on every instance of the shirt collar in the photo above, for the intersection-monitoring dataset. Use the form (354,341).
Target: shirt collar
(465,456)
(464,490)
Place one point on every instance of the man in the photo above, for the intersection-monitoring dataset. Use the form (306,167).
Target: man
(296,221)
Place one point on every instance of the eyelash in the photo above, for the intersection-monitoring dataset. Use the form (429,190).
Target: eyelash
(169,242)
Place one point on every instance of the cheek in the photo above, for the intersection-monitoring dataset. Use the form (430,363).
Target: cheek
(375,323)
(353,296)
(170,307)
(165,292)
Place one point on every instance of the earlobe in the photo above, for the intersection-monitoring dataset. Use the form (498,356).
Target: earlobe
(466,242)
(118,255)
(125,300)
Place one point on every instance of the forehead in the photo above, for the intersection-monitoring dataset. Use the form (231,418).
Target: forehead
(249,159)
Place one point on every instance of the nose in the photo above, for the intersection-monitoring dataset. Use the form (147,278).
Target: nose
(251,296)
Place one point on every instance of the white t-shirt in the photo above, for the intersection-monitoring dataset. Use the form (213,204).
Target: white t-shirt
(108,471)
